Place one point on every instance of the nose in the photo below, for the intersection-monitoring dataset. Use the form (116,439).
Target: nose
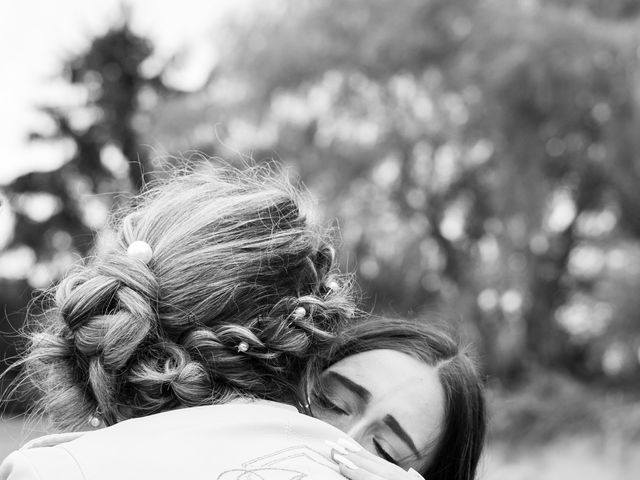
(357,430)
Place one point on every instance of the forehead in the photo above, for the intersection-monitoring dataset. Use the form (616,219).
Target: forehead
(383,367)
(401,386)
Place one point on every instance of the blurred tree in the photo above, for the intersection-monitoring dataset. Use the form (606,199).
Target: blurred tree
(563,105)
(57,213)
(617,9)
(479,154)
(467,148)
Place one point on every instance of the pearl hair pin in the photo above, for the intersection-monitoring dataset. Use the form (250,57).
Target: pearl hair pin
(243,347)
(333,285)
(95,422)
(140,250)
(299,312)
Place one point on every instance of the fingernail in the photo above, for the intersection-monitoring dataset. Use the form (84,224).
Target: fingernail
(349,445)
(336,447)
(415,474)
(343,461)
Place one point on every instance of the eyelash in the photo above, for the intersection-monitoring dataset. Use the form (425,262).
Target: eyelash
(382,453)
(325,402)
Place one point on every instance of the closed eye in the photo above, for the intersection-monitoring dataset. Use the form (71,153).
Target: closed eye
(382,453)
(327,404)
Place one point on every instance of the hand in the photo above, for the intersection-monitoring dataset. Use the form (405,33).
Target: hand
(358,464)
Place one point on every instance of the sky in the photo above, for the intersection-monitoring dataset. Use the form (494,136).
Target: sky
(36,36)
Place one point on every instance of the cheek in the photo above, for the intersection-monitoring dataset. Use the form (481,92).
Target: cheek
(351,427)
(429,441)
(341,422)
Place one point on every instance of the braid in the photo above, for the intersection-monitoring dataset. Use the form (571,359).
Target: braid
(165,376)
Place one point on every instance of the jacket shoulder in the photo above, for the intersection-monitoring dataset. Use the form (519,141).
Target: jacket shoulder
(17,467)
(40,463)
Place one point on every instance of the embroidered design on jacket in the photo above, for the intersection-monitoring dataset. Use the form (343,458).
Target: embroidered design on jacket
(283,465)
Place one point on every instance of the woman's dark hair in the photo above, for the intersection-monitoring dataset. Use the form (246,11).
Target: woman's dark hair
(462,437)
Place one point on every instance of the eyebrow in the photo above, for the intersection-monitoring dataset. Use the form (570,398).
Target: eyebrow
(395,427)
(389,420)
(359,390)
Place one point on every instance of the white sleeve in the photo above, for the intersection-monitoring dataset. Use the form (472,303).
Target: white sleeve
(18,467)
(40,464)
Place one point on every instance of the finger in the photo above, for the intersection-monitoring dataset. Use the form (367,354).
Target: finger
(364,461)
(369,461)
(352,471)
(369,464)
(414,475)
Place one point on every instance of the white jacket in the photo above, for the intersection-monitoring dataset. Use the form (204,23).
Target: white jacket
(236,441)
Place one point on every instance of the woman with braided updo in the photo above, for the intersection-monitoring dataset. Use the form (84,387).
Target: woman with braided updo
(214,295)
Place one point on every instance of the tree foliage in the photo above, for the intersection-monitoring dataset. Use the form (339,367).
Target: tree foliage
(478,154)
(57,213)
(480,157)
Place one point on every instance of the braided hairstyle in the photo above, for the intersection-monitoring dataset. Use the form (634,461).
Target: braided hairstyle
(214,315)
